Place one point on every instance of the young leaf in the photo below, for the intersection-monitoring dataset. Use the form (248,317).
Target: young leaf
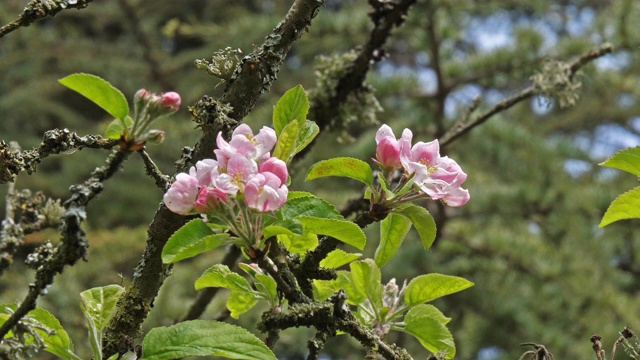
(343,166)
(239,302)
(100,92)
(286,144)
(269,286)
(343,230)
(114,130)
(423,222)
(428,325)
(299,244)
(626,160)
(625,206)
(221,276)
(203,338)
(58,343)
(98,305)
(393,230)
(338,258)
(308,206)
(190,240)
(307,131)
(289,227)
(293,105)
(56,339)
(425,288)
(367,279)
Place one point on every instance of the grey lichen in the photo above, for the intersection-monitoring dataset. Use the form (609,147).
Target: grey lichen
(556,80)
(222,65)
(359,108)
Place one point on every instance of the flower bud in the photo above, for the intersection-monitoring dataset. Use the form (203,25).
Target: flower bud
(276,167)
(155,136)
(209,199)
(171,101)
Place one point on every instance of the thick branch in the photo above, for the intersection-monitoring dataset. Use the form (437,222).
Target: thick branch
(253,76)
(462,127)
(385,15)
(39,9)
(73,245)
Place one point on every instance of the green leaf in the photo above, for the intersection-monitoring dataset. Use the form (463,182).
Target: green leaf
(338,258)
(194,238)
(626,160)
(55,338)
(100,92)
(221,276)
(428,325)
(342,166)
(425,288)
(114,130)
(625,206)
(306,133)
(203,338)
(325,288)
(289,227)
(98,305)
(268,284)
(393,230)
(299,244)
(293,105)
(308,206)
(366,278)
(343,230)
(239,302)
(286,144)
(423,222)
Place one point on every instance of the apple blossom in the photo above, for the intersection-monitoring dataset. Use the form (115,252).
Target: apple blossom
(209,199)
(244,142)
(276,167)
(182,194)
(265,192)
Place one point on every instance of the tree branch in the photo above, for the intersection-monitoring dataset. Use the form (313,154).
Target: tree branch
(53,142)
(463,126)
(253,76)
(73,246)
(39,9)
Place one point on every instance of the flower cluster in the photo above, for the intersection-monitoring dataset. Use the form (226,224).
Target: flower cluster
(243,174)
(149,107)
(437,176)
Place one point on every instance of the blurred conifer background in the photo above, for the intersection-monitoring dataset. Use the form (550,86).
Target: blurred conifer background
(529,239)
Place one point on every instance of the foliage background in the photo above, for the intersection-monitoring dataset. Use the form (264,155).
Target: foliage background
(528,239)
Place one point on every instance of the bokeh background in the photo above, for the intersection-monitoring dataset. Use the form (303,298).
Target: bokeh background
(529,238)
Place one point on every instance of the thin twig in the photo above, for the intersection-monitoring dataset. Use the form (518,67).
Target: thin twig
(39,9)
(462,127)
(73,246)
(162,181)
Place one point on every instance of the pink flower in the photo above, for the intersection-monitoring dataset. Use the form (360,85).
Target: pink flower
(206,171)
(182,194)
(276,167)
(387,147)
(442,181)
(171,101)
(421,157)
(209,199)
(244,142)
(265,192)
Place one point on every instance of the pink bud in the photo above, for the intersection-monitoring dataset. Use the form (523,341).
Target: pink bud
(276,167)
(181,195)
(209,199)
(171,100)
(141,94)
(388,152)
